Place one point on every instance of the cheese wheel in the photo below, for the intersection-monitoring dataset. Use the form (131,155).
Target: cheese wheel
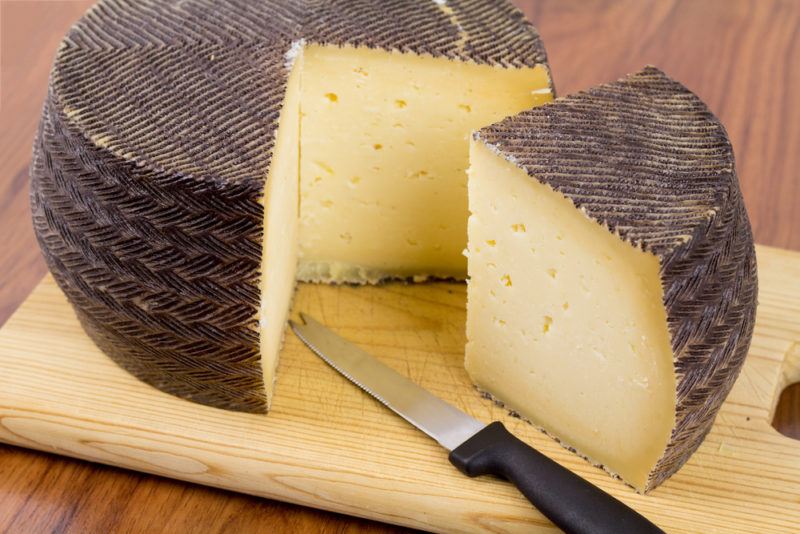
(179,138)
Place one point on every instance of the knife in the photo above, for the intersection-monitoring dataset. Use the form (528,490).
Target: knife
(476,449)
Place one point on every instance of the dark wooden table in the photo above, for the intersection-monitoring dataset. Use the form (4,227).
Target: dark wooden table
(741,56)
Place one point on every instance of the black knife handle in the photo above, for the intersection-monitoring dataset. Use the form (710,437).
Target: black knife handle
(566,499)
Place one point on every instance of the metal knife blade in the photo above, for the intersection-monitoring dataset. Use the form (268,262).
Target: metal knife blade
(443,422)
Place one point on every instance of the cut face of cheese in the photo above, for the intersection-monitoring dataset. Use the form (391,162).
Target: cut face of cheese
(372,149)
(279,250)
(565,323)
(383,158)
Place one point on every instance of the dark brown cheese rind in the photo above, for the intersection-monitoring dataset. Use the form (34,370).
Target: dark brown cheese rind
(492,32)
(155,142)
(645,157)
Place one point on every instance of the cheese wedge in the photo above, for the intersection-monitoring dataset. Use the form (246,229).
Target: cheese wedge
(611,272)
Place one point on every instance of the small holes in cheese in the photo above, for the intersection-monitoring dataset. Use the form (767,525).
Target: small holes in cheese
(518,228)
(548,321)
(324,166)
(332,97)
(506,280)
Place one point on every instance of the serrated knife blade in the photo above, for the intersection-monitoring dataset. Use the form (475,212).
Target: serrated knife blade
(443,422)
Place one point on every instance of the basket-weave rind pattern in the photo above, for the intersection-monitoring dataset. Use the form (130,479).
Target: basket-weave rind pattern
(645,157)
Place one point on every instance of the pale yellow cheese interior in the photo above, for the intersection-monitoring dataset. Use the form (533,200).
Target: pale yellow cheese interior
(279,251)
(565,321)
(383,157)
(368,174)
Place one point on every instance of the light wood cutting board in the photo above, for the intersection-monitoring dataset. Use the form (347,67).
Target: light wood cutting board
(328,445)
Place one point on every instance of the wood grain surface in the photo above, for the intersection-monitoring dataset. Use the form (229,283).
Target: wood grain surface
(740,56)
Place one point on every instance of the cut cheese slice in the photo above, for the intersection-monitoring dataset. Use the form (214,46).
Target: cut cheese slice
(611,272)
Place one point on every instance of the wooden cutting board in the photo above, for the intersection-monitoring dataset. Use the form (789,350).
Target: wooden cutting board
(328,445)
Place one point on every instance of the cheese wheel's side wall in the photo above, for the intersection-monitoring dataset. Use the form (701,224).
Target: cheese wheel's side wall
(162,268)
(710,293)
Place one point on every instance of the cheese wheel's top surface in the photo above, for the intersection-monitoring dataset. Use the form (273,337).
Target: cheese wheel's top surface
(484,31)
(196,87)
(645,158)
